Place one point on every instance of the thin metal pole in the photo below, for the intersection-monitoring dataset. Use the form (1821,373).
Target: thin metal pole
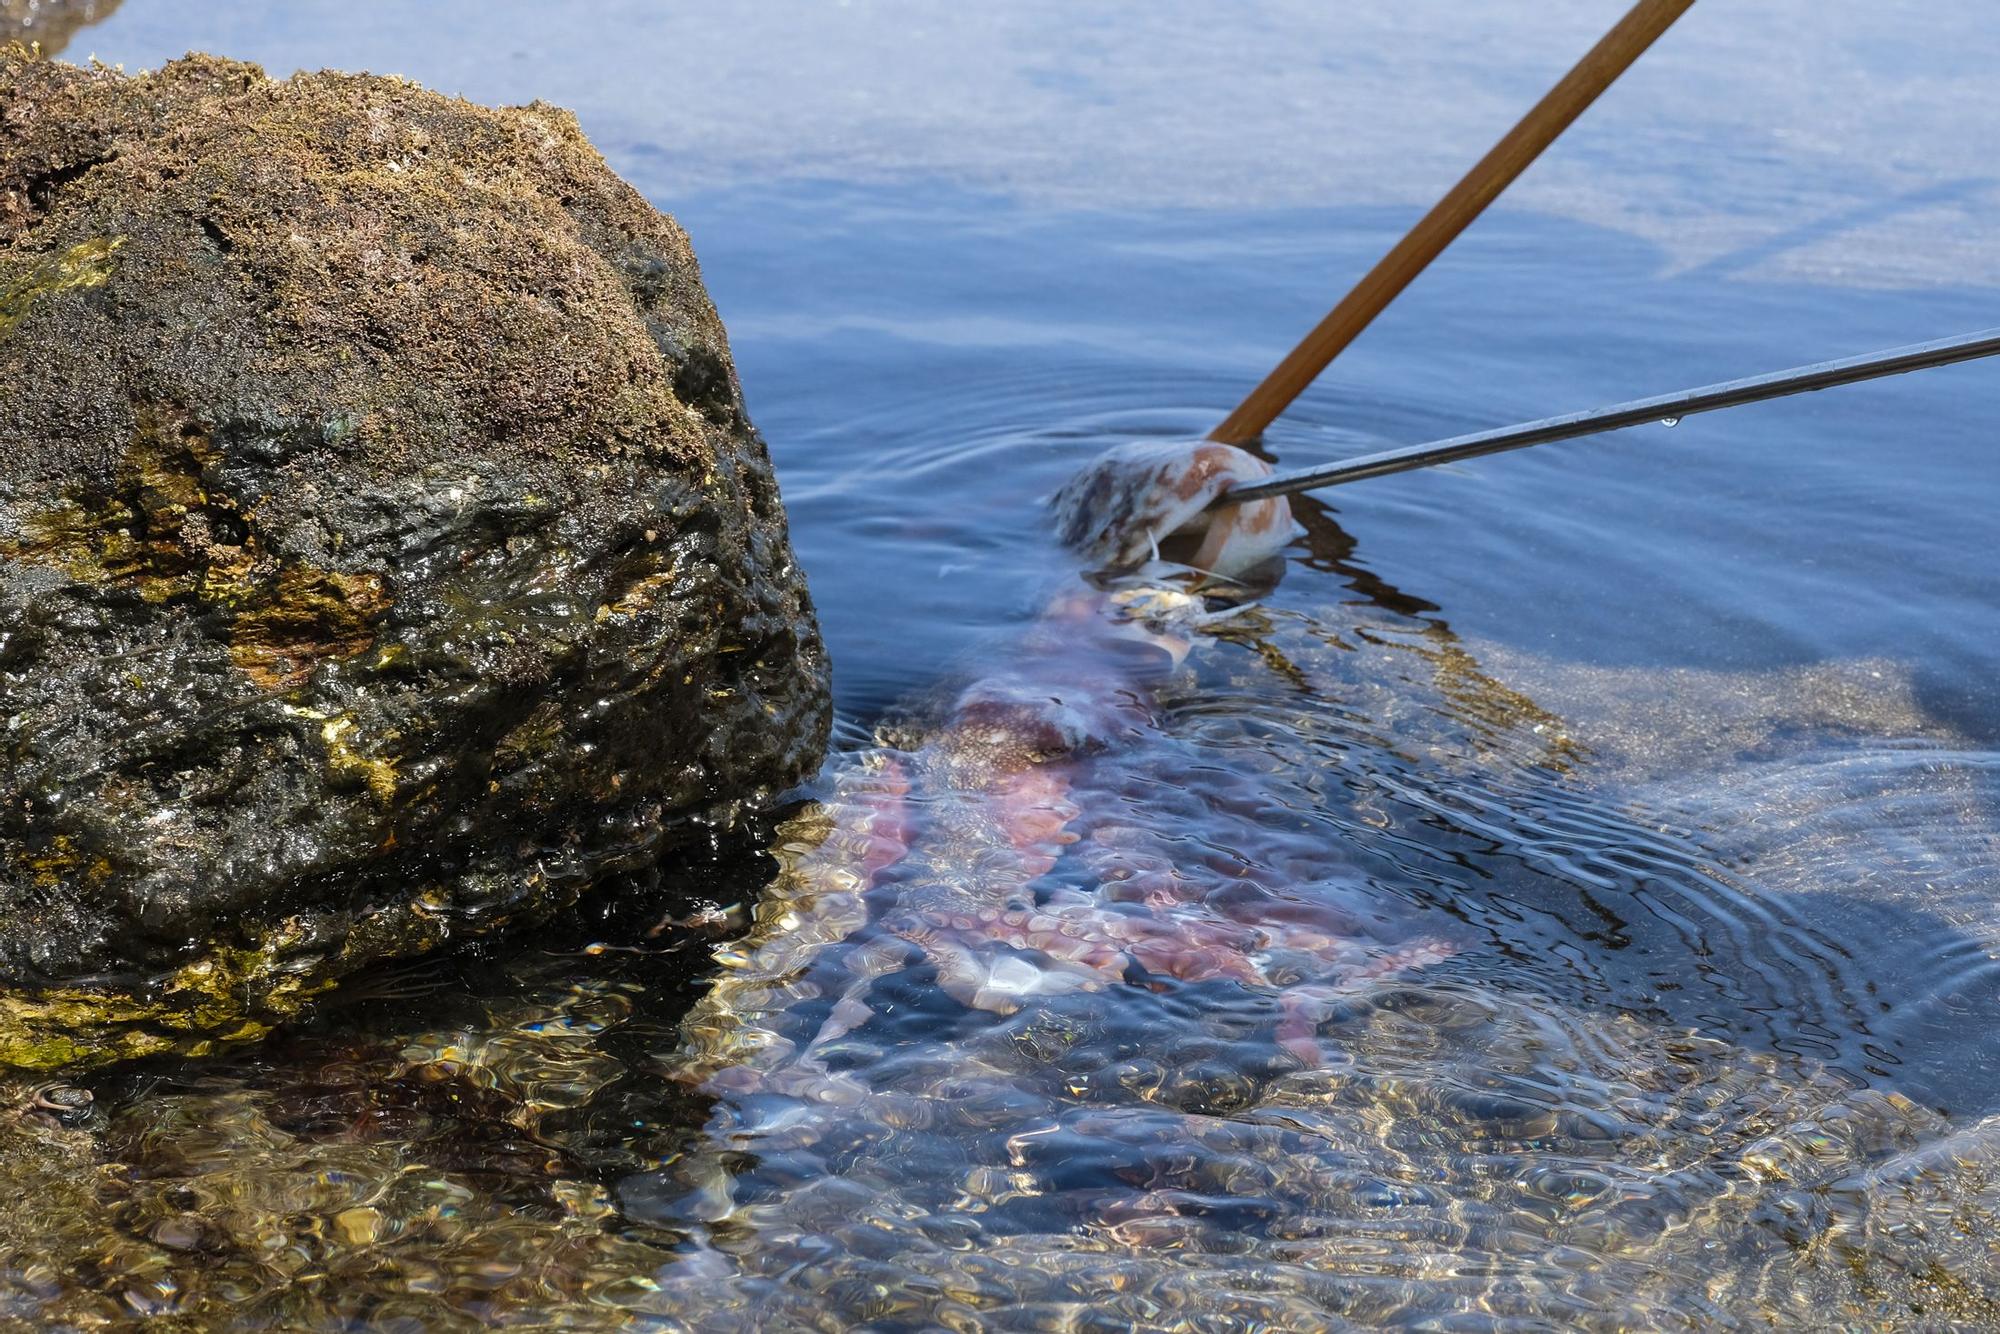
(1667,408)
(1452,214)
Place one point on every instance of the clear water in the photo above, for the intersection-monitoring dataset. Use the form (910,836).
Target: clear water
(1683,742)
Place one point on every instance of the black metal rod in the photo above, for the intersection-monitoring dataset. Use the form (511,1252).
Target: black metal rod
(1664,408)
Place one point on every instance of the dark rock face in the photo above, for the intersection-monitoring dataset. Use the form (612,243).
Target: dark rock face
(385,555)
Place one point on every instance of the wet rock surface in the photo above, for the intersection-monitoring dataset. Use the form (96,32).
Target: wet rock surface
(385,555)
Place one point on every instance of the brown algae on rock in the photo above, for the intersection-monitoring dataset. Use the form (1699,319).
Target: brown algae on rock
(162,530)
(302,618)
(385,555)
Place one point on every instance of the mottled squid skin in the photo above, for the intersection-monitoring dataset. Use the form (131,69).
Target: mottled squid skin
(957,832)
(1119,509)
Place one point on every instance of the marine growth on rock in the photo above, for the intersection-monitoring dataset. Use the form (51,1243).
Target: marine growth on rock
(385,554)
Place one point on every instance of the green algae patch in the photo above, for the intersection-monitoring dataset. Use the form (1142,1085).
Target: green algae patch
(84,265)
(346,757)
(189,1011)
(233,993)
(385,555)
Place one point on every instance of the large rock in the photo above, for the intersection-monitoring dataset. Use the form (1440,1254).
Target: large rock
(384,552)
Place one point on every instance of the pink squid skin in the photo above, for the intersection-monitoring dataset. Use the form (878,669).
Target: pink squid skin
(993,810)
(1119,509)
(974,818)
(882,822)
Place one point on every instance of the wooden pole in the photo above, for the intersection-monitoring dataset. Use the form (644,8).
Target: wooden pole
(1538,129)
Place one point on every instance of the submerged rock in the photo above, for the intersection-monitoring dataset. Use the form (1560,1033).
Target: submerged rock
(385,554)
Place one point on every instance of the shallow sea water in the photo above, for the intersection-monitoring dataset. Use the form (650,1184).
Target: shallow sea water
(1679,746)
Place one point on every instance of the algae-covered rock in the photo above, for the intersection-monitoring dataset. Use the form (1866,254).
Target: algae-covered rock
(385,555)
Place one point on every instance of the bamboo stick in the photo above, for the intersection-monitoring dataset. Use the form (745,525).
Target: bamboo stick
(1612,56)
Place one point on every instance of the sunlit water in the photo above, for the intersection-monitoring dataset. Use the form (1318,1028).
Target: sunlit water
(1679,743)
